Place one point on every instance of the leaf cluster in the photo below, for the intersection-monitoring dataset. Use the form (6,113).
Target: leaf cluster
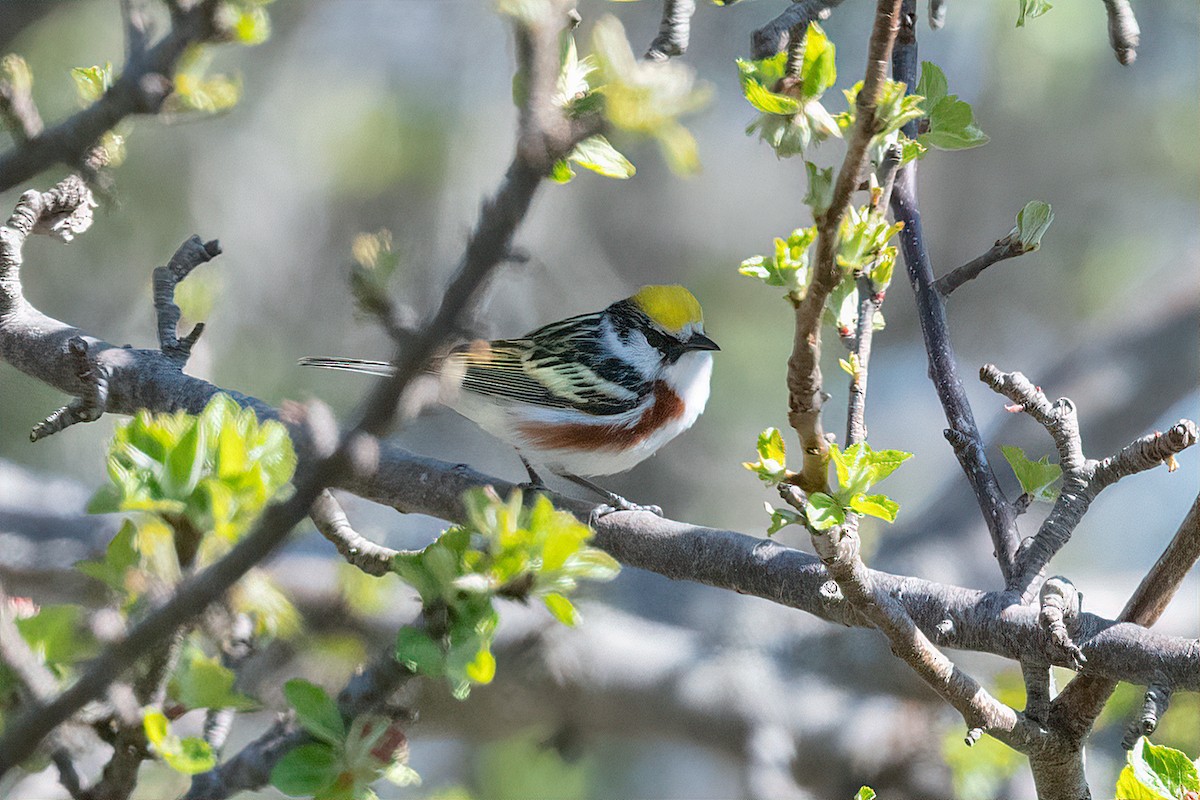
(343,760)
(858,468)
(791,114)
(212,472)
(505,550)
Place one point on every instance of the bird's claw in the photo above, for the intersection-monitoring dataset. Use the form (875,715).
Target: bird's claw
(621,504)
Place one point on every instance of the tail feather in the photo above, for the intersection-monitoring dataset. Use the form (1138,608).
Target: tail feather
(350,365)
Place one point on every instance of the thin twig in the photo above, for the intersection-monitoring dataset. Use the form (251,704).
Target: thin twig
(1123,32)
(1005,248)
(331,521)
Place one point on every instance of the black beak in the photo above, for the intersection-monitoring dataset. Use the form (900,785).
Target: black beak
(701,342)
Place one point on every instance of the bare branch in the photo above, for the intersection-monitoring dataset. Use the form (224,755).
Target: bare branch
(1084,697)
(773,37)
(1123,32)
(144,84)
(1083,478)
(673,31)
(1008,247)
(1154,705)
(1060,605)
(963,433)
(331,521)
(191,254)
(89,406)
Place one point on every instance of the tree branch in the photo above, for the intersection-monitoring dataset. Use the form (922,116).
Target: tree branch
(1083,478)
(544,137)
(331,521)
(963,433)
(805,395)
(1008,247)
(674,30)
(775,36)
(144,84)
(1082,700)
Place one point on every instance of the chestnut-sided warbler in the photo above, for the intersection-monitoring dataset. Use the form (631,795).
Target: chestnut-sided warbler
(591,395)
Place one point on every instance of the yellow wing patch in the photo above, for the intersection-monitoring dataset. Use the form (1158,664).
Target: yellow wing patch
(672,307)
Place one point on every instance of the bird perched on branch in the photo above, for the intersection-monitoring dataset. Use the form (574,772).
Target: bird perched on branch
(591,395)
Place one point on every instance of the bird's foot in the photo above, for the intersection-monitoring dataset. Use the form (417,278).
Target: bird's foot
(617,503)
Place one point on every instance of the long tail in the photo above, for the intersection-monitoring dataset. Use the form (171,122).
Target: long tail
(350,365)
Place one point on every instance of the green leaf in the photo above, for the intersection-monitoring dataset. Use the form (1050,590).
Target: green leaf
(952,126)
(315,711)
(252,26)
(418,652)
(1037,478)
(306,770)
(1130,788)
(482,669)
(156,726)
(55,633)
(787,266)
(865,793)
(1032,222)
(771,466)
(595,153)
(755,78)
(781,518)
(859,467)
(120,556)
(192,756)
(818,70)
(1031,9)
(823,512)
(932,84)
(875,505)
(203,682)
(561,172)
(562,609)
(647,98)
(1162,769)
(820,189)
(92,82)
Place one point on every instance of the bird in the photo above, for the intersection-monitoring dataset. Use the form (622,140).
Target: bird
(587,396)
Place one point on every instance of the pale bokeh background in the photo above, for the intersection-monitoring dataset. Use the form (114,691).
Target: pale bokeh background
(362,114)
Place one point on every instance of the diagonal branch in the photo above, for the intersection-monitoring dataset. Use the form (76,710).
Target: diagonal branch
(544,137)
(1008,247)
(1084,697)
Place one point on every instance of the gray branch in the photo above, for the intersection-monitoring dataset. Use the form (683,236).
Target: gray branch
(673,31)
(1083,478)
(1123,32)
(144,84)
(775,36)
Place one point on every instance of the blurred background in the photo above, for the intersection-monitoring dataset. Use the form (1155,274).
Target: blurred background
(358,115)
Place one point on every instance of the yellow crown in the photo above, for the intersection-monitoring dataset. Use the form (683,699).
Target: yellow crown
(672,307)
